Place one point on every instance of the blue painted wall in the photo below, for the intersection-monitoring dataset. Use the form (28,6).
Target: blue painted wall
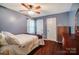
(72,21)
(72,14)
(62,19)
(12,21)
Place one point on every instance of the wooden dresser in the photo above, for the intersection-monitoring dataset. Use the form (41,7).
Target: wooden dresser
(60,31)
(69,44)
(77,42)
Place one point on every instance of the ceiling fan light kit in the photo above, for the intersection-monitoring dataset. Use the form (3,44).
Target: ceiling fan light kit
(31,12)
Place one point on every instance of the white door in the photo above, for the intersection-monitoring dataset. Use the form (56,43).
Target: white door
(51,29)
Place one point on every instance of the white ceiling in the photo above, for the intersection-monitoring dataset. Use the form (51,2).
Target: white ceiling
(46,8)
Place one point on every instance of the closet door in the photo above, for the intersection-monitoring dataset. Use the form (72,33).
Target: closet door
(39,26)
(51,29)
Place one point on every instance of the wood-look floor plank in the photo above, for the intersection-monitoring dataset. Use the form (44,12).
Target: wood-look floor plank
(50,48)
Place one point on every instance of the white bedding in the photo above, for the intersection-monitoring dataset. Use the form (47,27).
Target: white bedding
(25,38)
(28,43)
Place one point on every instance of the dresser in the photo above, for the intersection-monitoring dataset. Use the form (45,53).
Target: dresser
(70,44)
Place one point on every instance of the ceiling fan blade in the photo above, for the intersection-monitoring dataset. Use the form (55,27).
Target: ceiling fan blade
(26,6)
(38,12)
(37,7)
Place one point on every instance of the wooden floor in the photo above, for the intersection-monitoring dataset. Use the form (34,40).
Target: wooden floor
(50,48)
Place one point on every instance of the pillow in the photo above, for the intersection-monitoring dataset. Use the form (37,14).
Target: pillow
(10,38)
(7,34)
(2,39)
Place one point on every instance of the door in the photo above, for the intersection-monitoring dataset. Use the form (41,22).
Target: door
(51,29)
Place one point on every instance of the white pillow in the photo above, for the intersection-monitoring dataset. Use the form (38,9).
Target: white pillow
(2,39)
(7,34)
(10,38)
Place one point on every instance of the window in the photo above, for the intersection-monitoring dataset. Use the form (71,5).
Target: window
(39,26)
(31,26)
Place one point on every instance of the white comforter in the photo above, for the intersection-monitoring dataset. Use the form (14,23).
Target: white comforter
(25,38)
(27,44)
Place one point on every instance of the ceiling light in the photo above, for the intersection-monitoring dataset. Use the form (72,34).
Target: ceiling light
(31,12)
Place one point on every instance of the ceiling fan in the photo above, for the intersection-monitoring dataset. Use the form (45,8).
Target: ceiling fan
(32,7)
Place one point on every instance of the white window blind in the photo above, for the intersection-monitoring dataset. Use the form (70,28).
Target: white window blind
(30,26)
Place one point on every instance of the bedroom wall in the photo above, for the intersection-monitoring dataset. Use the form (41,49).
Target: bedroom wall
(72,21)
(72,13)
(12,21)
(62,20)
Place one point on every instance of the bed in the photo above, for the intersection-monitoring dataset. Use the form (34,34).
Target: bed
(27,43)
